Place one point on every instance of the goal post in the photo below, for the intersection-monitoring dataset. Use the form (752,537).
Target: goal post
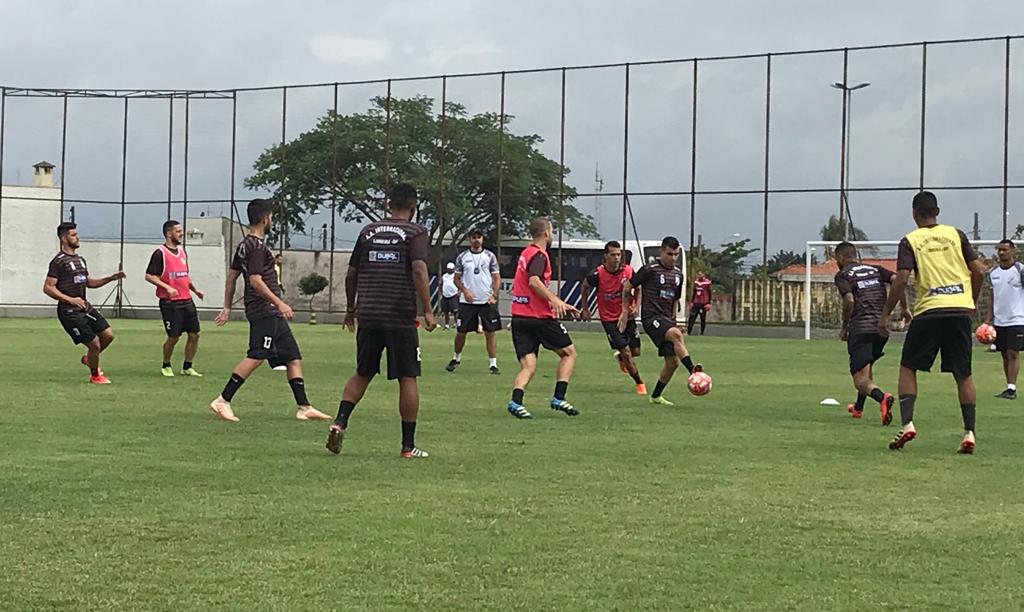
(817,253)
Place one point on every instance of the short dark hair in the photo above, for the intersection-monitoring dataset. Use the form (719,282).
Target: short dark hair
(403,196)
(846,248)
(1007,242)
(670,242)
(538,226)
(926,202)
(64,228)
(258,209)
(169,225)
(612,244)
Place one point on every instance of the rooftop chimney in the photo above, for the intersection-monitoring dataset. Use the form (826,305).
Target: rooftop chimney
(43,174)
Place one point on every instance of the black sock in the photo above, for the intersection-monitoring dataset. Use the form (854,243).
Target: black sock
(688,364)
(94,371)
(561,387)
(344,412)
(408,435)
(658,388)
(299,391)
(517,396)
(636,378)
(166,364)
(859,405)
(187,365)
(907,408)
(968,411)
(877,394)
(233,385)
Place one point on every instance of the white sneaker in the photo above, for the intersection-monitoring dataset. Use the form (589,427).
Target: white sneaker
(222,408)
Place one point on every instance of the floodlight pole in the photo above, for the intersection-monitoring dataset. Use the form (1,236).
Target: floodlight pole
(844,194)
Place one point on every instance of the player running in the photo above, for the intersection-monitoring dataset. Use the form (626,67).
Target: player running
(66,281)
(478,281)
(608,279)
(535,314)
(661,284)
(945,268)
(1006,295)
(386,274)
(862,289)
(270,338)
(168,271)
(700,303)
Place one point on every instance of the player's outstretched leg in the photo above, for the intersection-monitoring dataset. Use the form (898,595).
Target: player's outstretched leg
(221,406)
(667,370)
(968,397)
(908,396)
(566,363)
(628,364)
(354,390)
(866,388)
(527,367)
(303,410)
(409,408)
(92,360)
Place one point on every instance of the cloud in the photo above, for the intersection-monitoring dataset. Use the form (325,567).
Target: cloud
(349,50)
(441,56)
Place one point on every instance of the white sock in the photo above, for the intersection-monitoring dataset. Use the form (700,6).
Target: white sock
(1011,386)
(457,357)
(493,361)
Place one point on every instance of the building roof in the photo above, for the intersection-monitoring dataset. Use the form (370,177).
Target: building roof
(44,164)
(829,268)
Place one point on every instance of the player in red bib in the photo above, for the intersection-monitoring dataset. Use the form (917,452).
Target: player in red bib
(168,272)
(700,303)
(608,278)
(535,314)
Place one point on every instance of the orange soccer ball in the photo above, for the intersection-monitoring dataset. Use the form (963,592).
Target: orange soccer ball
(986,334)
(699,383)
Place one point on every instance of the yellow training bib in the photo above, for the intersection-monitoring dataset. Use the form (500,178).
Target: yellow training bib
(942,278)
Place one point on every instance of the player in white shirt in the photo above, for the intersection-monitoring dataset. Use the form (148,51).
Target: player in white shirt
(478,280)
(449,295)
(1006,295)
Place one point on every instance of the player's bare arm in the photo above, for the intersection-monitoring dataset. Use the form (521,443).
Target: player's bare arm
(229,297)
(261,288)
(978,272)
(585,300)
(495,288)
(561,308)
(153,279)
(899,288)
(421,281)
(96,283)
(627,304)
(848,302)
(351,289)
(50,289)
(195,290)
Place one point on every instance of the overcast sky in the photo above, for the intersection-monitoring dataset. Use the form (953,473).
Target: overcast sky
(240,43)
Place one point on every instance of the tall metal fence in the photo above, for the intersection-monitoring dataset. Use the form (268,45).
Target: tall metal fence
(760,147)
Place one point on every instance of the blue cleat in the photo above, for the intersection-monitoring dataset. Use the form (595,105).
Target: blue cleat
(519,411)
(563,406)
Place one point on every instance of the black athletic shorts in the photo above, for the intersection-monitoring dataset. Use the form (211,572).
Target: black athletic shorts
(1010,338)
(82,325)
(656,329)
(271,338)
(950,335)
(403,347)
(864,350)
(179,317)
(470,314)
(618,340)
(450,304)
(529,334)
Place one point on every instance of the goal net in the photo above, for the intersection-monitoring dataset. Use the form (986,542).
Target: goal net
(823,309)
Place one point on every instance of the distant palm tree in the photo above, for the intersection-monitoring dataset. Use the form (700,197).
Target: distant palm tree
(834,231)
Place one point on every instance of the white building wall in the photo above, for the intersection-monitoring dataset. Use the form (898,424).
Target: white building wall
(28,240)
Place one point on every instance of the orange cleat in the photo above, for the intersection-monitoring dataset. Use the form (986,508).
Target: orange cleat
(641,389)
(222,409)
(99,380)
(906,434)
(309,413)
(854,412)
(887,401)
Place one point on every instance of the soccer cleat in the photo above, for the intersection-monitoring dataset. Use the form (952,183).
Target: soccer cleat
(452,365)
(222,409)
(167,372)
(967,444)
(1009,394)
(519,411)
(886,407)
(641,389)
(563,406)
(100,379)
(413,453)
(661,401)
(852,409)
(335,436)
(906,434)
(191,372)
(309,413)
(495,371)
(86,364)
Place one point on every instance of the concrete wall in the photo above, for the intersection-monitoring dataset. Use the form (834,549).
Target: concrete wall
(28,240)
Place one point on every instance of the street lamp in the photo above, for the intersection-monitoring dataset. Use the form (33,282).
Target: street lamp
(844,196)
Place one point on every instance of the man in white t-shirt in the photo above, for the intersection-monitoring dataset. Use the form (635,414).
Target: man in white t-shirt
(1006,293)
(478,280)
(449,295)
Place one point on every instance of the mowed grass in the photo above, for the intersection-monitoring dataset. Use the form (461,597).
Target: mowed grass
(134,497)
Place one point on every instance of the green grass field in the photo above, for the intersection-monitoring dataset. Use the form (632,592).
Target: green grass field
(134,497)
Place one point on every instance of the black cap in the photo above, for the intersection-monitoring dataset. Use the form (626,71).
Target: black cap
(477,232)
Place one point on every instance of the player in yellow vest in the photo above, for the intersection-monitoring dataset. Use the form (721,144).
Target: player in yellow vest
(948,277)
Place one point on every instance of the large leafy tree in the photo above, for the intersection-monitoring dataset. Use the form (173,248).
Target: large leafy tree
(464,197)
(723,266)
(779,261)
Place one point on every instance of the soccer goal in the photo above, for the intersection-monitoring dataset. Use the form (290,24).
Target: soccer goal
(821,304)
